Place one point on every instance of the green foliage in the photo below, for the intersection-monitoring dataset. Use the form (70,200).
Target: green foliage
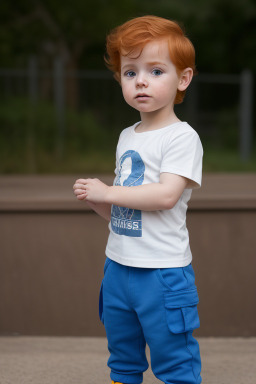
(30,141)
(53,27)
(227,160)
(228,128)
(224,35)
(223,31)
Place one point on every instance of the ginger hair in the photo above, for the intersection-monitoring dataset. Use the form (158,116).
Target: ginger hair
(136,33)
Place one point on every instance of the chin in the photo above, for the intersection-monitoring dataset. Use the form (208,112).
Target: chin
(147,109)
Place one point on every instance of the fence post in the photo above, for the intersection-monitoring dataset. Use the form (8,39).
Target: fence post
(60,104)
(246,112)
(32,71)
(33,93)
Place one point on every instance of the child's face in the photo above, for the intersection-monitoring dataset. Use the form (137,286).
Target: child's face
(150,82)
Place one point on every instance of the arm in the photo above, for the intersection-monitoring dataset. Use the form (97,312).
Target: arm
(147,197)
(102,209)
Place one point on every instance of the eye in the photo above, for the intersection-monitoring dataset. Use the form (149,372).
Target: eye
(157,72)
(130,74)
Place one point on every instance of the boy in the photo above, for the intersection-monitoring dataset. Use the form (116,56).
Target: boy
(148,293)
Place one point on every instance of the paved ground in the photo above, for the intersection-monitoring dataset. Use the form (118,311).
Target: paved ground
(52,360)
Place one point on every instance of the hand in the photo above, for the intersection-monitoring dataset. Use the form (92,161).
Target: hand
(92,190)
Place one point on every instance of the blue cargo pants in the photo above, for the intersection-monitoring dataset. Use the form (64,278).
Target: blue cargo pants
(153,306)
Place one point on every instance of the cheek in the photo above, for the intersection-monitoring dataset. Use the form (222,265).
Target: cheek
(127,92)
(164,87)
(166,91)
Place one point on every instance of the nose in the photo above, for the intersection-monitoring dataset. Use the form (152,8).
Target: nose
(141,80)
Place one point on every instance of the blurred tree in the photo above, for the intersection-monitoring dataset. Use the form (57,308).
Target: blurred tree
(223,31)
(54,28)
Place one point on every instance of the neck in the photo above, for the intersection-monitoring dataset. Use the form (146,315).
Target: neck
(155,120)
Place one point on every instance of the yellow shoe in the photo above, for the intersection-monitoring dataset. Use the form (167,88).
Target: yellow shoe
(115,382)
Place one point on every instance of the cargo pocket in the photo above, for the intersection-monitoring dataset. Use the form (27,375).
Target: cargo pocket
(101,312)
(181,310)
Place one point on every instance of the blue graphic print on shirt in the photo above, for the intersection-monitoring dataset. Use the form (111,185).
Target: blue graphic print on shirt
(126,221)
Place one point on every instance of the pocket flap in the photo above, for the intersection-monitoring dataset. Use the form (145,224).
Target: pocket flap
(181,310)
(181,299)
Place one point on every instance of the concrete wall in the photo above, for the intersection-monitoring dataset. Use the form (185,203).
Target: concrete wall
(52,256)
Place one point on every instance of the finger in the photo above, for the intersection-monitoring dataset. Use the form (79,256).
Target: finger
(81,197)
(79,186)
(79,192)
(83,181)
(80,181)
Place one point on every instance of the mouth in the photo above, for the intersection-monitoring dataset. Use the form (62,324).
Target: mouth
(142,96)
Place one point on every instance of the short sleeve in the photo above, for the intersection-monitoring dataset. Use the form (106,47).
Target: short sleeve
(183,155)
(117,155)
(116,168)
(116,164)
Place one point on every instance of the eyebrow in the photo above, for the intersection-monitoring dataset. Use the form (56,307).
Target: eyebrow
(149,64)
(157,63)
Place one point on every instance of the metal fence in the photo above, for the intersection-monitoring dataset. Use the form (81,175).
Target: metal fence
(209,97)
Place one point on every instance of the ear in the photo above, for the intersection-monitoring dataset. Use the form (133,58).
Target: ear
(185,79)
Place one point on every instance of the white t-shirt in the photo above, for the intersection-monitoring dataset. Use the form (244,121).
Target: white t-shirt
(154,239)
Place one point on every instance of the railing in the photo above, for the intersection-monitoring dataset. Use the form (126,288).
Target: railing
(27,82)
